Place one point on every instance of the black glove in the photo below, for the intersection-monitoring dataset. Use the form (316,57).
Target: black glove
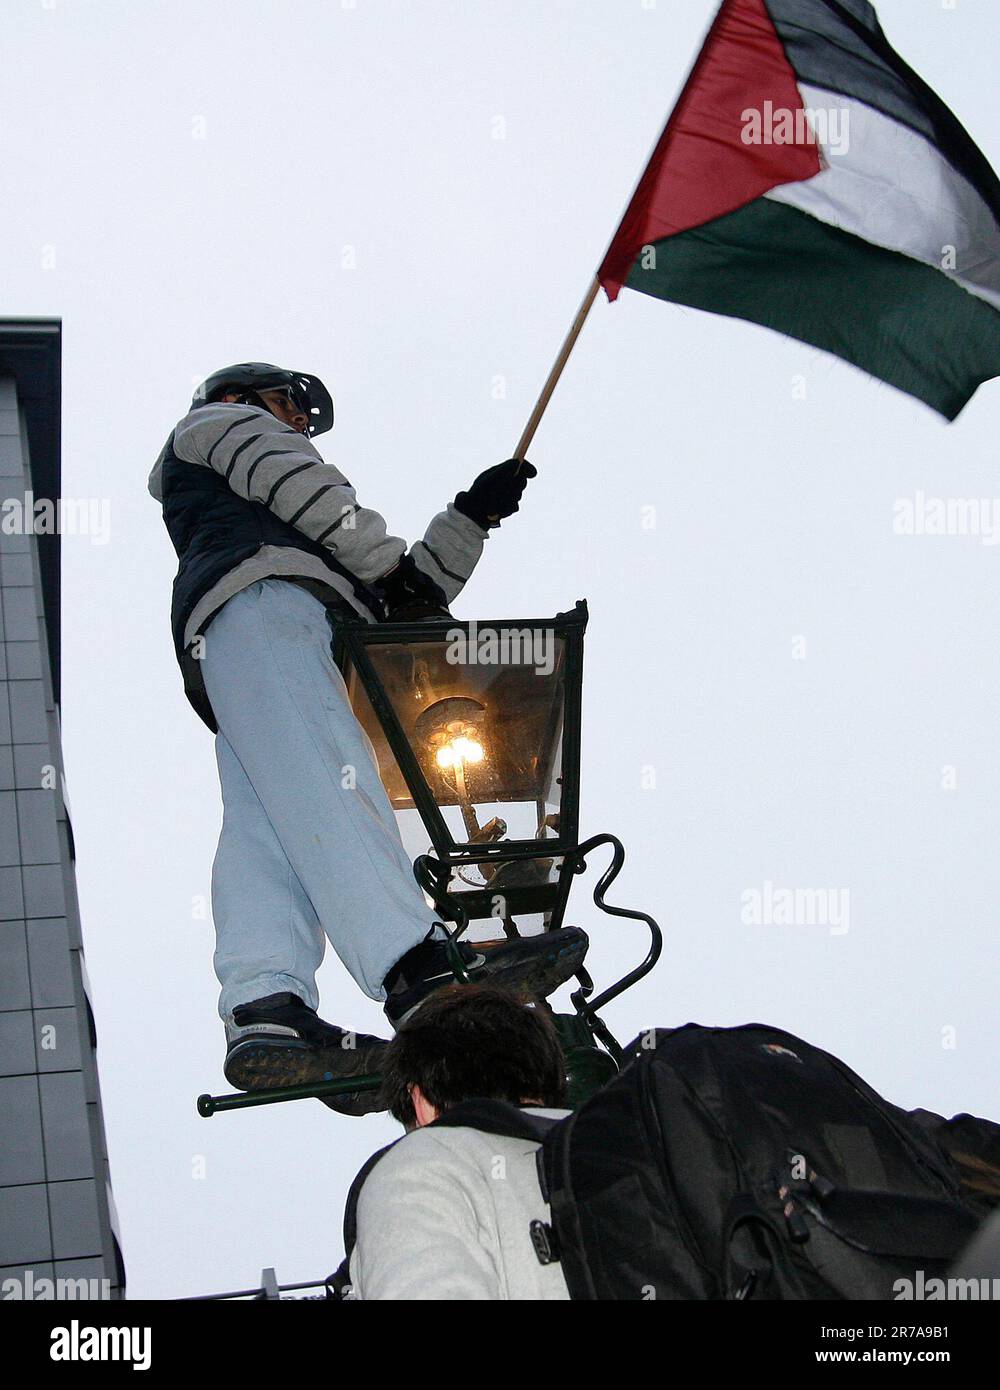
(495,493)
(409,595)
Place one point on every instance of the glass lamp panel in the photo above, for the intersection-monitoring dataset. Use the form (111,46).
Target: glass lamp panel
(495,879)
(485,725)
(378,745)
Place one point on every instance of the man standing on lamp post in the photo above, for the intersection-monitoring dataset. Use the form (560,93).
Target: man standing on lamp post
(272,544)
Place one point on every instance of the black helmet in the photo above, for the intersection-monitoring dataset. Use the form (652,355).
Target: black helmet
(308,392)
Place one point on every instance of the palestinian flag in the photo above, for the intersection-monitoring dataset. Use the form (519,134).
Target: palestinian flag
(808,180)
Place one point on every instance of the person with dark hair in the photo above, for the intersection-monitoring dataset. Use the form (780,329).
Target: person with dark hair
(472,1041)
(446,1211)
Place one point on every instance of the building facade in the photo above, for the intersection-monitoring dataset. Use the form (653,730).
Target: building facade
(57,1218)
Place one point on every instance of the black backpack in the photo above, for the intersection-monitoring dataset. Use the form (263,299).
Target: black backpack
(735,1163)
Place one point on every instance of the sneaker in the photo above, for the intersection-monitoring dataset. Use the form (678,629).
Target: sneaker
(280,1041)
(354,1102)
(536,965)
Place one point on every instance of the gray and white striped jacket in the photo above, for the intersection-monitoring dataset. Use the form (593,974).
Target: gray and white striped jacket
(246,497)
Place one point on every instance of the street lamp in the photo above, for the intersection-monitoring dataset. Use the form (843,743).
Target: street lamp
(475,730)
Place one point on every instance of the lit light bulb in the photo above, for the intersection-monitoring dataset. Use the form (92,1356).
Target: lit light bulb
(460,750)
(469,749)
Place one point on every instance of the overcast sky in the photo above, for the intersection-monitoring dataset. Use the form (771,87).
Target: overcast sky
(409,197)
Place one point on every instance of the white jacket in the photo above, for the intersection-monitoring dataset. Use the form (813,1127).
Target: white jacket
(445,1214)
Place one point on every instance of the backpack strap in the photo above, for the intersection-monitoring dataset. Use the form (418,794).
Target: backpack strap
(747,1268)
(895,1224)
(351,1206)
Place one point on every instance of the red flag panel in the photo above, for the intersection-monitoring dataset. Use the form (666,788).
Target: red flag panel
(704,166)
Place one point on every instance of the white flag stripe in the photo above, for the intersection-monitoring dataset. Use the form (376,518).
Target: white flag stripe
(894,189)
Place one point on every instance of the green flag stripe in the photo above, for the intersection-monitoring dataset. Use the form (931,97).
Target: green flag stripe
(906,323)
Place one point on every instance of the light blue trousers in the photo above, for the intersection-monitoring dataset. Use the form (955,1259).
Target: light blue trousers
(309,849)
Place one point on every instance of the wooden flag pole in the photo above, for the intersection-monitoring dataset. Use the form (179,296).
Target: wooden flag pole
(584,309)
(550,385)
